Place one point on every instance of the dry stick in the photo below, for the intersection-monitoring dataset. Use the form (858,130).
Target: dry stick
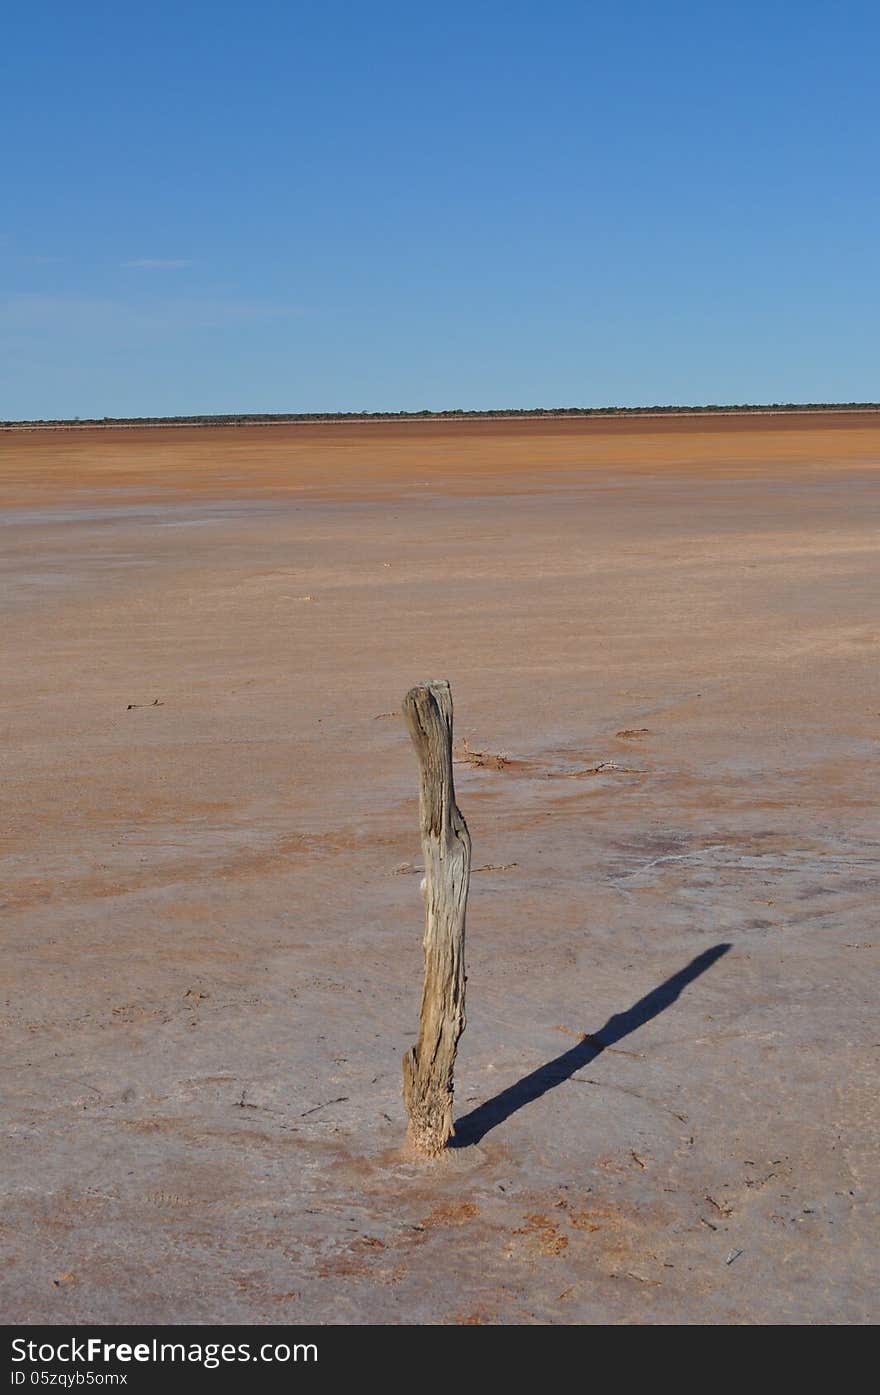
(446,845)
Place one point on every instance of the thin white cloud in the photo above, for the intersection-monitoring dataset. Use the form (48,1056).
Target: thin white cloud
(159,263)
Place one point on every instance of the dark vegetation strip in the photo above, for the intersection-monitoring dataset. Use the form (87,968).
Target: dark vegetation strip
(506,413)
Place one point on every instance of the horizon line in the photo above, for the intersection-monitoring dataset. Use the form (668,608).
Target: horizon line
(442,414)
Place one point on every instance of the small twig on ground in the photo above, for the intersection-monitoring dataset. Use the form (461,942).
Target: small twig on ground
(341,1099)
(486,760)
(589,770)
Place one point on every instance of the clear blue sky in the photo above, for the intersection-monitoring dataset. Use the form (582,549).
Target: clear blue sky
(317,206)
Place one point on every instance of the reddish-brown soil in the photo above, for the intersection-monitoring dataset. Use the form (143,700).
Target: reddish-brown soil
(662,637)
(367,459)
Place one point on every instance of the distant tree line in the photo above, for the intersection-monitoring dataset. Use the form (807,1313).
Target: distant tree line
(280,418)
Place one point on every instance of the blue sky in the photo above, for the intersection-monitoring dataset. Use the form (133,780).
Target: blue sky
(325,206)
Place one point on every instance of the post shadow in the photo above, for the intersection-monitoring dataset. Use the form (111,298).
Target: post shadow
(474,1126)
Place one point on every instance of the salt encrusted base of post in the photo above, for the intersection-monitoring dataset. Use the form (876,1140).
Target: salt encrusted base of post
(446,844)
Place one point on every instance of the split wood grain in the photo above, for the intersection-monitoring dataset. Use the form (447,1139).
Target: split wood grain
(428,1066)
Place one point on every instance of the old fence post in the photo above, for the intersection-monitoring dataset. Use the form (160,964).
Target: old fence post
(446,845)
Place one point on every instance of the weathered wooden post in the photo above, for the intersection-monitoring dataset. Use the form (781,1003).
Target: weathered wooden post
(446,845)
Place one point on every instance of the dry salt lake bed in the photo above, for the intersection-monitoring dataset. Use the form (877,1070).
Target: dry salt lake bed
(662,638)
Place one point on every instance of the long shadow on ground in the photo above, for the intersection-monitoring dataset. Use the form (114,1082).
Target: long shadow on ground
(476,1125)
